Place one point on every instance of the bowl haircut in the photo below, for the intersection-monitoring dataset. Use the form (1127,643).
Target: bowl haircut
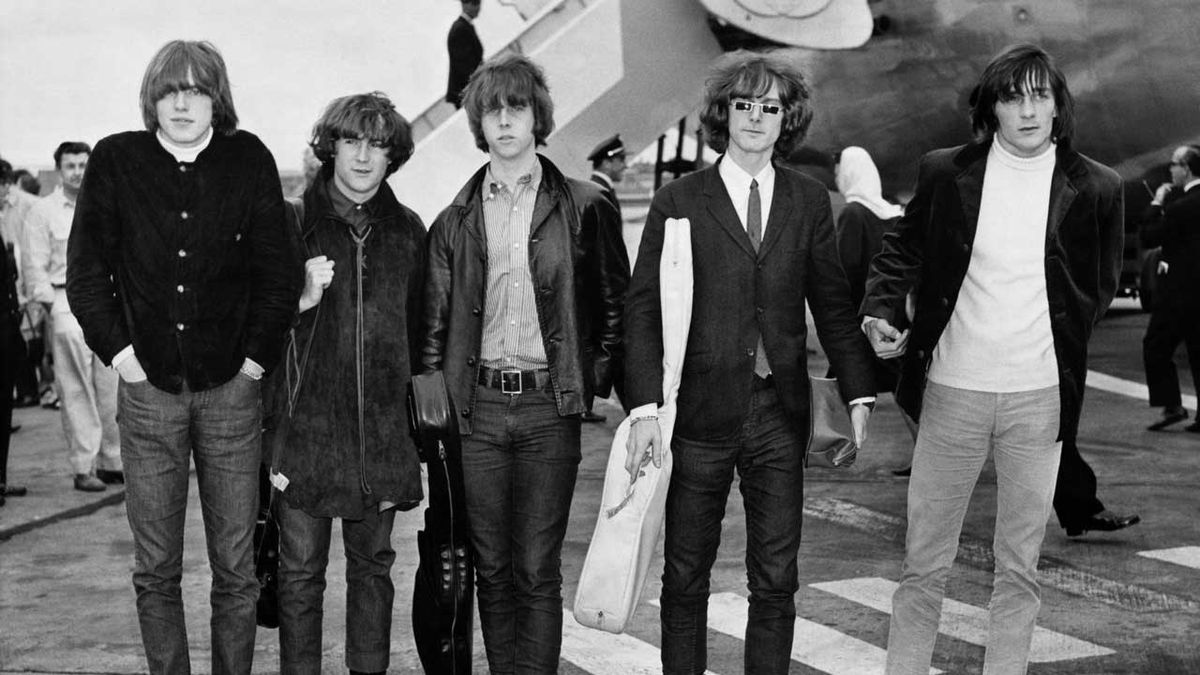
(169,72)
(508,80)
(371,117)
(749,75)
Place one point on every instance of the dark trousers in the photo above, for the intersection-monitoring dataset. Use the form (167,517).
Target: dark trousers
(519,469)
(767,454)
(303,558)
(1169,325)
(28,358)
(1075,490)
(10,361)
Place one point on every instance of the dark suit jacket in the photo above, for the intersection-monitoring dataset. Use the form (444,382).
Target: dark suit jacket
(466,52)
(739,295)
(1176,227)
(930,250)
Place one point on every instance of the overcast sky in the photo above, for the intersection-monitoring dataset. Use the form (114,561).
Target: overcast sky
(71,69)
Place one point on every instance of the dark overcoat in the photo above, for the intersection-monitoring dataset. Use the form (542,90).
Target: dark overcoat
(345,445)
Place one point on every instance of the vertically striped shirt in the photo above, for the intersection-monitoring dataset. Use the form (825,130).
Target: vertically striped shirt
(512,337)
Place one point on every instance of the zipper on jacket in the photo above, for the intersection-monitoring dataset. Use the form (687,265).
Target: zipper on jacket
(359,241)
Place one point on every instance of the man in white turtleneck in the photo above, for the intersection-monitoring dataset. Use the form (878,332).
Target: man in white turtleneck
(1013,244)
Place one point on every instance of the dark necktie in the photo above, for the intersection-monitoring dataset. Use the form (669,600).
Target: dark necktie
(754,216)
(754,229)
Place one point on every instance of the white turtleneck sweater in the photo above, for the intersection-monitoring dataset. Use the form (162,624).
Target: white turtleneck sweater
(998,338)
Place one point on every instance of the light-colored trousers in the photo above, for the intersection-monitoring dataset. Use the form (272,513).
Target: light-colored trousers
(87,392)
(958,428)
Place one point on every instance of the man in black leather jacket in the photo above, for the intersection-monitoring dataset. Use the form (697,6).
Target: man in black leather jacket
(523,303)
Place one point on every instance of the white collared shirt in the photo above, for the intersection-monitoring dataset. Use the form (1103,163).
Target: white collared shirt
(737,184)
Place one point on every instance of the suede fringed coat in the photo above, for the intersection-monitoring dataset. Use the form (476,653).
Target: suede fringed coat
(345,447)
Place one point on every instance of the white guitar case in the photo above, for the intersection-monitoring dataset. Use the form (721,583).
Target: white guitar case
(631,516)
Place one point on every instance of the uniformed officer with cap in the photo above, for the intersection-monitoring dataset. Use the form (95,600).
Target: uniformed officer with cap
(608,166)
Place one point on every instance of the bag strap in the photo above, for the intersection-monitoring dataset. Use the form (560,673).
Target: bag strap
(294,368)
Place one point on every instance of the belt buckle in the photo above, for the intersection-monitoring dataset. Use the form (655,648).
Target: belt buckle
(510,382)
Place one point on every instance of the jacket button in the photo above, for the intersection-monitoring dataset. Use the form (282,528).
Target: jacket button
(475,311)
(471,361)
(749,352)
(920,353)
(182,253)
(179,288)
(966,247)
(466,412)
(945,302)
(180,326)
(760,310)
(184,215)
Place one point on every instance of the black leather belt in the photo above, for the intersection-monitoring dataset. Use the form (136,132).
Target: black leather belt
(514,381)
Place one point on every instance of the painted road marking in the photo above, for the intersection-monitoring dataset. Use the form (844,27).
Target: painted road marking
(1188,556)
(977,552)
(964,622)
(813,644)
(1129,388)
(601,653)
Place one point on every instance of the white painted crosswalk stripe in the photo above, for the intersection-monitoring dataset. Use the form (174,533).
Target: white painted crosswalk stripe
(964,622)
(1116,385)
(813,644)
(1188,556)
(977,552)
(601,653)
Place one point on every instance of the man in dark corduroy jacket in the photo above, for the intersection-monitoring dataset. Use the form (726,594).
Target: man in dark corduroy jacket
(183,278)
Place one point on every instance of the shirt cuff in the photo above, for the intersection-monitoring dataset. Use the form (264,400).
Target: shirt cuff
(865,400)
(121,356)
(252,369)
(646,410)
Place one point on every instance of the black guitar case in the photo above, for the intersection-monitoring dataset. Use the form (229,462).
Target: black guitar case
(442,614)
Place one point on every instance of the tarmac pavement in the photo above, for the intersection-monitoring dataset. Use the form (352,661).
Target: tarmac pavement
(1113,603)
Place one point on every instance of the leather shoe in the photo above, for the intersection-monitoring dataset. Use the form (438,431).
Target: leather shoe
(111,477)
(1168,418)
(12,490)
(590,416)
(1105,521)
(86,482)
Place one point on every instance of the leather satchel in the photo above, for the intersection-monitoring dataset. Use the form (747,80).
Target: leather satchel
(830,434)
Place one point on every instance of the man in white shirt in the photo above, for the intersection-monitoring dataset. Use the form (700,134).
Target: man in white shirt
(1013,244)
(87,389)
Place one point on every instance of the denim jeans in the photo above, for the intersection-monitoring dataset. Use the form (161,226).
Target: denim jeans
(160,433)
(303,558)
(519,469)
(958,428)
(767,453)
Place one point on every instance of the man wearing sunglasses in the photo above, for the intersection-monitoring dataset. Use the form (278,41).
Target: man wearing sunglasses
(762,243)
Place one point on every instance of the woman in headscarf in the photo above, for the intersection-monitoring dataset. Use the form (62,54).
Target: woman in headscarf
(860,229)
